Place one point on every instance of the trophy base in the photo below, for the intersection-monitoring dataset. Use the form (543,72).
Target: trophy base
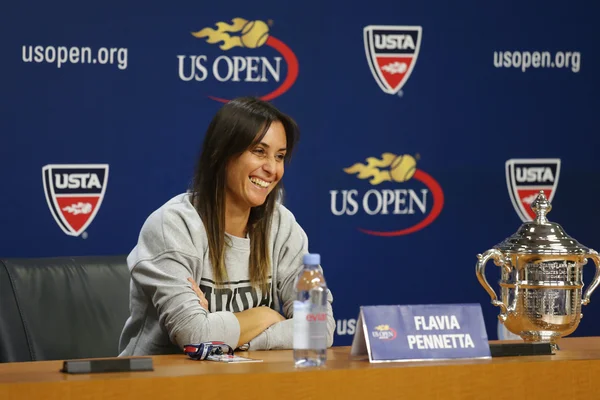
(520,349)
(541,337)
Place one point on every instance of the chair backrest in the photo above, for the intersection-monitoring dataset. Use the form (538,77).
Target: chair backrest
(62,308)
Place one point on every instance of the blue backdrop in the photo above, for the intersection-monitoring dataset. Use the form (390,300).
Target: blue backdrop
(114,99)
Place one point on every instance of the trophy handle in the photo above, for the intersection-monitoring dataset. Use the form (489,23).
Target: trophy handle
(586,297)
(500,261)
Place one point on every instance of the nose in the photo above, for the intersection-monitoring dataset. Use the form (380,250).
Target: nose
(269,165)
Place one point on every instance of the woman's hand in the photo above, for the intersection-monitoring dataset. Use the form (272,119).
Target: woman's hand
(203,302)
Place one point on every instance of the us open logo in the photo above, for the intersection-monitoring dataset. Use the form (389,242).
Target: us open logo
(384,332)
(405,192)
(74,193)
(257,58)
(392,52)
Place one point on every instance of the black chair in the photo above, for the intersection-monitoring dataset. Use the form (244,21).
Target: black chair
(62,308)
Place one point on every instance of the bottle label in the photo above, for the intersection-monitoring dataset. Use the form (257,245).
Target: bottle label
(310,326)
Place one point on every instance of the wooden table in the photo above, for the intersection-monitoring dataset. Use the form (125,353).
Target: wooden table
(570,374)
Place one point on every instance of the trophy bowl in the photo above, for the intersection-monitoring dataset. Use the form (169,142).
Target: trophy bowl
(541,278)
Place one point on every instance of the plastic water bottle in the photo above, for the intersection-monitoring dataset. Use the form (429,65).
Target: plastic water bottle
(310,314)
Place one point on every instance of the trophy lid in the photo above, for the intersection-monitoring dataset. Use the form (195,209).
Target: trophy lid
(541,236)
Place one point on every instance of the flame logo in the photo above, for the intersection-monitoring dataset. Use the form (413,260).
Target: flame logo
(252,34)
(382,327)
(401,168)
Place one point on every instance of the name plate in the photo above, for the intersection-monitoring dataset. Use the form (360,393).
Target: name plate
(420,332)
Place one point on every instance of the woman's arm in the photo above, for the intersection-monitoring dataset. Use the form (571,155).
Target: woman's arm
(255,321)
(293,242)
(252,322)
(164,282)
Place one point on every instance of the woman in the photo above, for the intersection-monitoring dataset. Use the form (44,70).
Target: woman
(229,234)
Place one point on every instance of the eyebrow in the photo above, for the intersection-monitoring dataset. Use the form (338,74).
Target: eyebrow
(267,146)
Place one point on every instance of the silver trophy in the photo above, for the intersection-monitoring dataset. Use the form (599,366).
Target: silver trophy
(541,280)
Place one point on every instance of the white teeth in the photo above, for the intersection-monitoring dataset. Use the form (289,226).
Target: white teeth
(259,182)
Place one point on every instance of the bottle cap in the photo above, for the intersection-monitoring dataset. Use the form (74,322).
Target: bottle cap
(312,259)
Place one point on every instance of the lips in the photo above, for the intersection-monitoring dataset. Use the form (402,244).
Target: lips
(259,182)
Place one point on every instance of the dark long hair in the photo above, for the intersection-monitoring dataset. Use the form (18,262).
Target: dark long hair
(238,125)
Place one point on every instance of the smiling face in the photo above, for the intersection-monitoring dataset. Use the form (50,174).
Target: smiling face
(254,174)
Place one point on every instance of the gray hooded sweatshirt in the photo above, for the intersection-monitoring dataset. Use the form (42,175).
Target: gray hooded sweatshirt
(165,312)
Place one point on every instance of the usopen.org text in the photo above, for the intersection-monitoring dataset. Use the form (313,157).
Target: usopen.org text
(537,59)
(60,55)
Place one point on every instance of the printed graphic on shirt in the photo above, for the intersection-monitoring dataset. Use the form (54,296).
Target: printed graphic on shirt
(234,296)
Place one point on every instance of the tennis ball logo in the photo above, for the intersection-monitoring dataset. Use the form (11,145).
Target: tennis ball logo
(390,167)
(254,34)
(249,34)
(403,168)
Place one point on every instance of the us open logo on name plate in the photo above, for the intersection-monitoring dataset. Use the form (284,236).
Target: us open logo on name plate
(525,177)
(392,52)
(74,193)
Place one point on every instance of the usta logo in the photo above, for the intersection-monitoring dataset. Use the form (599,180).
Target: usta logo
(259,68)
(392,53)
(74,193)
(525,177)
